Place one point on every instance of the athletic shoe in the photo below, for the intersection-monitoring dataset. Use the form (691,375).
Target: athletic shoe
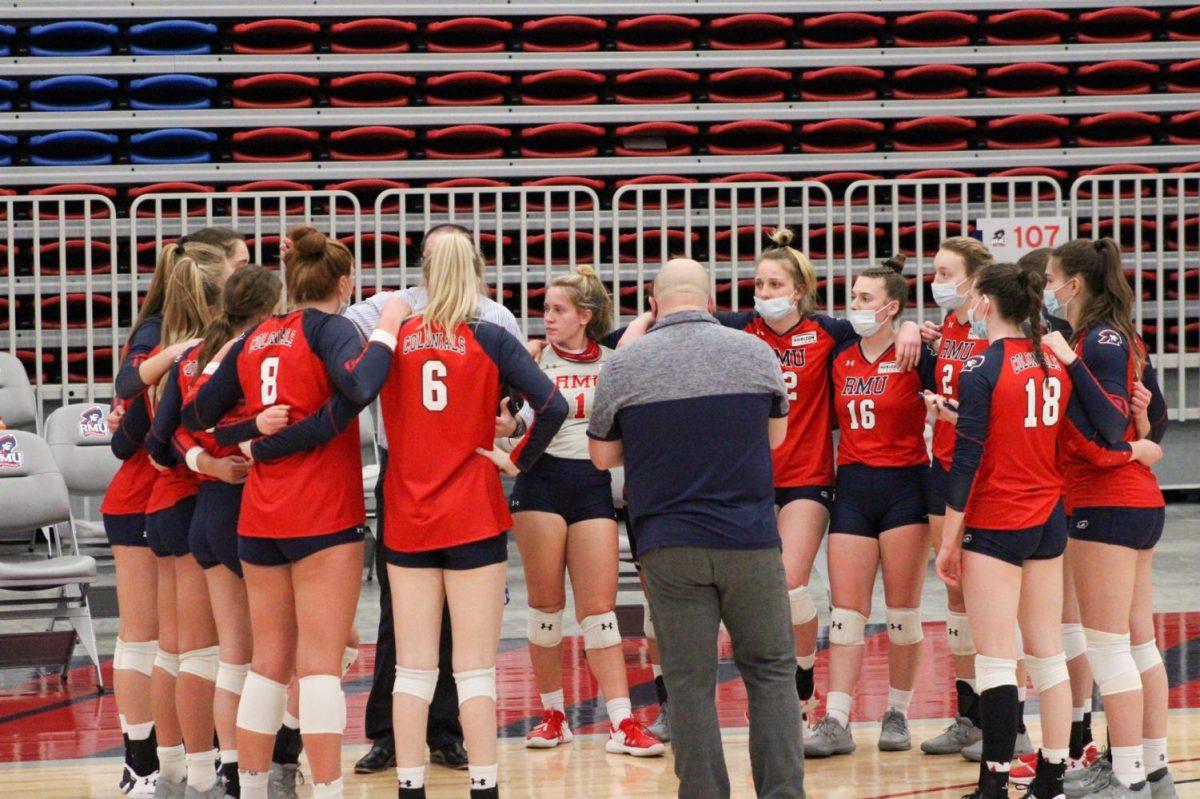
(551,732)
(1086,781)
(631,738)
(893,732)
(1163,787)
(138,785)
(660,728)
(1023,746)
(166,789)
(1114,789)
(281,784)
(959,734)
(830,738)
(217,791)
(230,779)
(1024,770)
(1027,764)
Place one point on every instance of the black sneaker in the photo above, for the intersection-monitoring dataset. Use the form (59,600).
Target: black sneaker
(381,757)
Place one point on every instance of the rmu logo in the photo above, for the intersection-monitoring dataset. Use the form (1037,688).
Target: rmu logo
(957,350)
(92,422)
(10,455)
(576,381)
(790,357)
(873,385)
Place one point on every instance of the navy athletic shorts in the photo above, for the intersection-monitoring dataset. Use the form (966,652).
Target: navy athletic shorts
(213,538)
(573,489)
(939,483)
(1136,528)
(125,529)
(281,551)
(821,494)
(874,499)
(167,529)
(474,555)
(1040,542)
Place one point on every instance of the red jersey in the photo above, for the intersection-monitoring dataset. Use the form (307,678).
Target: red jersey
(129,491)
(957,346)
(1009,422)
(880,413)
(439,404)
(178,482)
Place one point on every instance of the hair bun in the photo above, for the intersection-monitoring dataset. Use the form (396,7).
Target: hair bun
(585,270)
(895,263)
(783,237)
(308,241)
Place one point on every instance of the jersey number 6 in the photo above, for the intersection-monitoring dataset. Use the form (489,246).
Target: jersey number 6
(433,390)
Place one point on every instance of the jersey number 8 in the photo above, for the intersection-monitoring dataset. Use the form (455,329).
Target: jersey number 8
(433,390)
(1051,391)
(268,376)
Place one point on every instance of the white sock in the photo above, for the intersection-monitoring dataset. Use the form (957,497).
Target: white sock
(172,766)
(1055,755)
(1127,765)
(1076,714)
(553,700)
(618,710)
(1087,706)
(656,669)
(290,721)
(1022,693)
(1155,750)
(837,707)
(140,732)
(806,662)
(124,723)
(228,756)
(899,700)
(253,783)
(483,776)
(200,772)
(328,790)
(971,684)
(413,777)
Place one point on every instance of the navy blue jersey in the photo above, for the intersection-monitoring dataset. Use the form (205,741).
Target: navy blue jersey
(142,341)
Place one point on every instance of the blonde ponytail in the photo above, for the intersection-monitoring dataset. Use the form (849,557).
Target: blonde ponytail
(192,290)
(587,293)
(455,276)
(804,275)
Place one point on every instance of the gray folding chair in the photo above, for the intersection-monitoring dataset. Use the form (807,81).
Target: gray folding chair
(18,403)
(33,495)
(79,440)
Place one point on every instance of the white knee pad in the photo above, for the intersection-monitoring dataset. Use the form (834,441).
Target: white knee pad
(262,706)
(118,655)
(167,661)
(958,634)
(138,656)
(904,626)
(202,663)
(600,631)
(803,609)
(1146,655)
(544,629)
(1074,641)
(349,655)
(647,620)
(847,627)
(1047,672)
(420,683)
(322,704)
(232,676)
(472,684)
(1112,662)
(994,672)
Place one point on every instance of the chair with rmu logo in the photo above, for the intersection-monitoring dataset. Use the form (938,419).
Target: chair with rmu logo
(80,441)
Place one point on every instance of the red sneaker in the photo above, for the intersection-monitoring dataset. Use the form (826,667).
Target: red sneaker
(1023,771)
(1091,753)
(631,738)
(552,731)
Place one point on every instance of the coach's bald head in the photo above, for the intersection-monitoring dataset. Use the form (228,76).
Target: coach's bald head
(682,285)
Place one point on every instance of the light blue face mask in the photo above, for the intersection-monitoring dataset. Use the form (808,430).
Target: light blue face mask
(946,295)
(1051,305)
(978,326)
(774,308)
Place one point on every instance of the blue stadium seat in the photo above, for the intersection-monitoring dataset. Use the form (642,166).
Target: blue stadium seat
(8,90)
(7,34)
(75,37)
(72,93)
(7,145)
(171,92)
(72,148)
(172,146)
(172,37)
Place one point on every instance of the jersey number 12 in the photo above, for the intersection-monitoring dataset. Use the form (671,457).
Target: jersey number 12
(1051,392)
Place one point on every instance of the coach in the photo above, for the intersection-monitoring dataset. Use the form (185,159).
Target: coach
(693,410)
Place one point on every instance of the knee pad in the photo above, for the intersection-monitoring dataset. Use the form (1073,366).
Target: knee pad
(1047,672)
(139,656)
(647,620)
(322,705)
(1074,641)
(544,629)
(262,706)
(904,626)
(349,655)
(803,609)
(232,676)
(1146,655)
(203,663)
(118,655)
(167,661)
(958,634)
(847,627)
(1112,662)
(420,683)
(600,631)
(994,672)
(472,684)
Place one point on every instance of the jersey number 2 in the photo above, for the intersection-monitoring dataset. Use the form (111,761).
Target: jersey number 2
(433,389)
(268,376)
(1051,391)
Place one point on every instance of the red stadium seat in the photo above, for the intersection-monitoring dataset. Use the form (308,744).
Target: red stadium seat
(655,139)
(1189,230)
(1183,24)
(560,200)
(746,197)
(746,242)
(370,143)
(561,140)
(749,85)
(562,87)
(71,257)
(30,359)
(656,32)
(464,202)
(1115,77)
(270,207)
(1184,128)
(657,244)
(77,361)
(568,34)
(389,257)
(1025,26)
(840,136)
(367,190)
(928,193)
(76,306)
(493,247)
(1026,79)
(749,32)
(171,208)
(836,84)
(277,90)
(653,199)
(839,182)
(924,238)
(934,29)
(371,90)
(1026,131)
(861,237)
(1126,188)
(749,137)
(466,88)
(4,304)
(274,144)
(1118,24)
(932,82)
(1184,76)
(275,37)
(1019,192)
(71,210)
(843,29)
(1131,235)
(466,141)
(467,35)
(560,243)
(655,86)
(374,35)
(1117,129)
(932,134)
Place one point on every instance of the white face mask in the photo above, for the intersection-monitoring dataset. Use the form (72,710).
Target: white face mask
(866,323)
(946,295)
(774,308)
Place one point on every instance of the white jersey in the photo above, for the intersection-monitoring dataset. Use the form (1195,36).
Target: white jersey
(575,378)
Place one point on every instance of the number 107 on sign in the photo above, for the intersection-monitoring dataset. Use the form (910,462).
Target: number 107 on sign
(1011,237)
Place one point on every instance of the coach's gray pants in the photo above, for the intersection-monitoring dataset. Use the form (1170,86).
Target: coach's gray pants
(692,591)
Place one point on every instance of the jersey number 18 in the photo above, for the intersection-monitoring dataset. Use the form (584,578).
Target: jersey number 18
(1051,391)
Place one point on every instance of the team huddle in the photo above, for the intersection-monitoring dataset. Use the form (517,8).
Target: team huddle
(237,518)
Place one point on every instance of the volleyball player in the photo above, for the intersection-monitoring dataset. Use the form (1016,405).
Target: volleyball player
(300,528)
(879,514)
(564,520)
